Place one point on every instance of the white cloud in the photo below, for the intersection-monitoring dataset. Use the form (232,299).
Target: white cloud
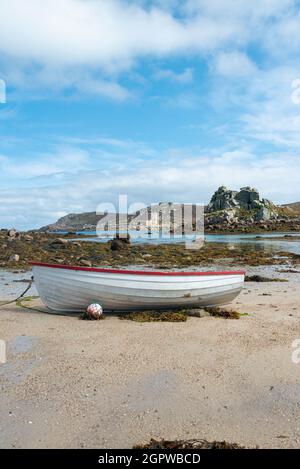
(178,174)
(87,44)
(283,38)
(270,114)
(279,129)
(63,160)
(109,33)
(103,88)
(182,78)
(234,64)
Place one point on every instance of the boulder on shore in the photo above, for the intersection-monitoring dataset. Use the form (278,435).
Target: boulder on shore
(58,241)
(86,263)
(14,258)
(13,234)
(119,243)
(263,214)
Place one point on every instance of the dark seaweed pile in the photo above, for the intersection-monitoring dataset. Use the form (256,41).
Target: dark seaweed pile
(180,315)
(188,444)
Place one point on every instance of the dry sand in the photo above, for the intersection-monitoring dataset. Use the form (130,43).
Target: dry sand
(112,383)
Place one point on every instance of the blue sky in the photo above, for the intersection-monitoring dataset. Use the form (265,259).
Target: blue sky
(159,100)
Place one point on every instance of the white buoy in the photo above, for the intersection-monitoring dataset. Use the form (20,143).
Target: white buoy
(94,311)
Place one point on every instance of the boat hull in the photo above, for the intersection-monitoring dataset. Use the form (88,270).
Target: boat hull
(67,289)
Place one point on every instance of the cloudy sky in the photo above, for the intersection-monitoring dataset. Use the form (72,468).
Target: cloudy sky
(160,100)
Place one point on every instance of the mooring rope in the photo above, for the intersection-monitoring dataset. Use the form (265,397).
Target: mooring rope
(21,296)
(22,305)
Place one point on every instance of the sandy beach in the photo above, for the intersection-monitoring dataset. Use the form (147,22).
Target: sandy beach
(113,383)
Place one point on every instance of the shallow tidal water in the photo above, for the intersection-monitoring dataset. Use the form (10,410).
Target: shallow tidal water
(13,283)
(263,241)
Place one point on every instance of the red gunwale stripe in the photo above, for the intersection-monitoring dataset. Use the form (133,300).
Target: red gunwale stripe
(136,272)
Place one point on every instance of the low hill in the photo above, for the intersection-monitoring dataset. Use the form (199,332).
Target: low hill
(295,207)
(74,222)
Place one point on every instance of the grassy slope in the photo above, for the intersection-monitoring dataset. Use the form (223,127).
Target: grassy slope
(293,206)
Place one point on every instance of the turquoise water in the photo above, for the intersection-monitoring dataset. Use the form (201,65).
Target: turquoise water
(261,241)
(265,241)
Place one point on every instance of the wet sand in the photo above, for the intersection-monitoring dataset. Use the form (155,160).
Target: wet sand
(112,383)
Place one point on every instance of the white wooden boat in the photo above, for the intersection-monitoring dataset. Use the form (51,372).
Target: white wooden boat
(64,288)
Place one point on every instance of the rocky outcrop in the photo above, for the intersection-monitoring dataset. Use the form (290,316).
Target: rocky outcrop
(246,198)
(223,199)
(241,209)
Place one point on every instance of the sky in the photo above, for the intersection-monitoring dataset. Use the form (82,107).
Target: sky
(158,100)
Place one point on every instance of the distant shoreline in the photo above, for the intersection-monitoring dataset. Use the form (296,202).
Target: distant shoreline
(253,229)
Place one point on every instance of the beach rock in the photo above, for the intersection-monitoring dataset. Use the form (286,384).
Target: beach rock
(118,244)
(225,217)
(13,233)
(263,214)
(59,260)
(59,241)
(146,256)
(14,258)
(197,313)
(76,243)
(86,263)
(27,237)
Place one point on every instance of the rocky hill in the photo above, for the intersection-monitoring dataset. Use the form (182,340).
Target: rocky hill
(228,210)
(155,216)
(74,222)
(245,203)
(238,209)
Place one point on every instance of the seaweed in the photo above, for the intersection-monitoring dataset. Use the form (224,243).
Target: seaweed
(180,315)
(156,316)
(260,278)
(86,317)
(26,298)
(289,271)
(218,312)
(188,444)
(42,248)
